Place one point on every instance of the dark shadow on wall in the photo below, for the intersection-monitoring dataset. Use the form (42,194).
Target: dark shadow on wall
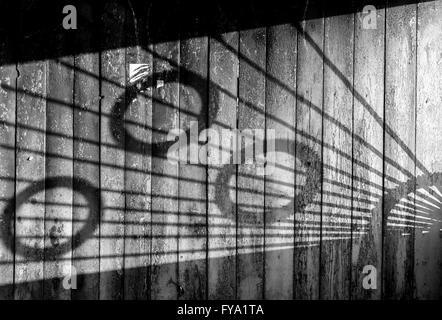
(91,280)
(37,24)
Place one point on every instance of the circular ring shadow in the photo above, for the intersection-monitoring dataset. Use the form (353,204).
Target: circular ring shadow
(309,159)
(185,77)
(92,196)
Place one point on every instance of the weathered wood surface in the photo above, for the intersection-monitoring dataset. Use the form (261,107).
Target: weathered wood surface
(367,151)
(279,183)
(165,172)
(337,158)
(250,184)
(223,90)
(87,188)
(309,108)
(192,243)
(59,151)
(112,156)
(138,123)
(8,77)
(30,171)
(400,111)
(86,157)
(428,243)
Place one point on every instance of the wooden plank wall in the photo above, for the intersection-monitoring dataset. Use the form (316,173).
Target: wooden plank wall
(92,189)
(86,155)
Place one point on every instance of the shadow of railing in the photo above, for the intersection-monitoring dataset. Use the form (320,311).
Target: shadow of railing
(406,209)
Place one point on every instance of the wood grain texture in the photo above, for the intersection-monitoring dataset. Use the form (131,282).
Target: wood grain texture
(279,184)
(112,156)
(428,243)
(308,131)
(224,72)
(30,172)
(87,187)
(367,151)
(165,117)
(8,75)
(400,108)
(337,162)
(86,167)
(138,121)
(250,185)
(30,161)
(59,152)
(193,176)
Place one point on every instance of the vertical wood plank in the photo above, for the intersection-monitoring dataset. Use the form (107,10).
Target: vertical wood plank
(192,191)
(112,158)
(138,162)
(428,242)
(59,170)
(165,117)
(250,185)
(400,119)
(86,252)
(309,132)
(367,154)
(223,89)
(337,164)
(8,76)
(279,185)
(30,170)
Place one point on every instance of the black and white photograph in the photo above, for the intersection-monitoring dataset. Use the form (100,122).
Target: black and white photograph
(199,151)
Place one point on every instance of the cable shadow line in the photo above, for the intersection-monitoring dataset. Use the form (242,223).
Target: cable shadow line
(365,166)
(174,252)
(345,81)
(80,140)
(303,100)
(310,104)
(361,99)
(365,104)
